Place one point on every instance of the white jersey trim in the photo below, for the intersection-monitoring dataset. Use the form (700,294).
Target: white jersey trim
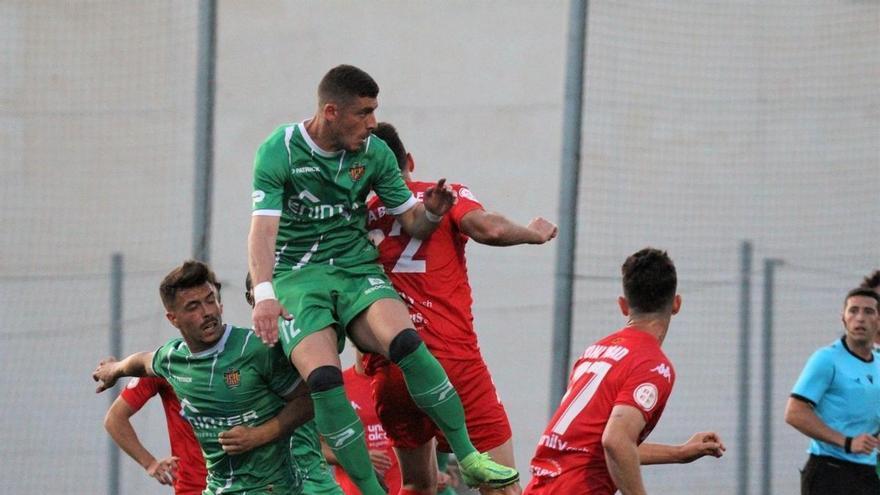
(218,347)
(288,135)
(266,213)
(315,148)
(404,207)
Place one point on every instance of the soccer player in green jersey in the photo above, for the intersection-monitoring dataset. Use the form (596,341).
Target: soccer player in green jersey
(308,243)
(227,381)
(305,444)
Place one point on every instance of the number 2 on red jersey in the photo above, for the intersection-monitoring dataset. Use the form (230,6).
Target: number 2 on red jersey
(406,262)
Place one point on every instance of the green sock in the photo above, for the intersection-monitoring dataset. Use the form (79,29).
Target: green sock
(344,433)
(431,391)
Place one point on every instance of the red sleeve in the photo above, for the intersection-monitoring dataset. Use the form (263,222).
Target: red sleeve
(466,202)
(139,390)
(647,387)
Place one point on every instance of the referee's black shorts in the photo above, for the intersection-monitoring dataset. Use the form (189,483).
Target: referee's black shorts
(824,475)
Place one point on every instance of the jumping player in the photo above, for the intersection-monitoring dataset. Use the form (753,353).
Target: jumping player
(308,242)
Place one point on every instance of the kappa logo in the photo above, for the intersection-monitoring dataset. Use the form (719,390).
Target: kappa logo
(341,438)
(664,371)
(356,171)
(232,378)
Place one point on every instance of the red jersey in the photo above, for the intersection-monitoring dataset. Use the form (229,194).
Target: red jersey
(359,392)
(191,473)
(431,274)
(626,367)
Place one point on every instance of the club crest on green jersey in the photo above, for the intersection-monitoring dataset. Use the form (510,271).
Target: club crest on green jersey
(356,171)
(232,377)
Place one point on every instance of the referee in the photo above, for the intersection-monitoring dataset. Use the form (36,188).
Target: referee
(836,402)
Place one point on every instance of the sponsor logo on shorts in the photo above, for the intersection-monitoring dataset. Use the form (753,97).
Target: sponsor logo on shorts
(646,395)
(356,171)
(133,382)
(375,281)
(232,378)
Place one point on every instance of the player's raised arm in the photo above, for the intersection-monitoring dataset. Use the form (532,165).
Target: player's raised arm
(494,229)
(110,370)
(420,220)
(261,262)
(620,441)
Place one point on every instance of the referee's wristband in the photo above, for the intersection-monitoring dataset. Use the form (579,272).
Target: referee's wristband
(847,445)
(263,291)
(432,217)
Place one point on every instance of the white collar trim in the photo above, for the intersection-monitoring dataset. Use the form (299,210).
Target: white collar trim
(315,148)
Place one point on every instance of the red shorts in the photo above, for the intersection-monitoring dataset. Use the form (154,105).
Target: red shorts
(408,427)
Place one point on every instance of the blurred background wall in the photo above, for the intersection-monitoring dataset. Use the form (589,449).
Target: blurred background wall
(706,123)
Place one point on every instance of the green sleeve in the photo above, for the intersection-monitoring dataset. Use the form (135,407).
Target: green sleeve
(280,374)
(159,363)
(271,168)
(389,184)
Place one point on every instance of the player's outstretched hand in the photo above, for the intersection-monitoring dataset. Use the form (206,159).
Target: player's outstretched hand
(266,313)
(239,439)
(164,470)
(439,198)
(864,444)
(702,444)
(545,228)
(105,374)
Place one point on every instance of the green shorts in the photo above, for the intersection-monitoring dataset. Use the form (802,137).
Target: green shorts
(319,296)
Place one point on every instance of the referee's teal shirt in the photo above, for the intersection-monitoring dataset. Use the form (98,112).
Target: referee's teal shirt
(844,390)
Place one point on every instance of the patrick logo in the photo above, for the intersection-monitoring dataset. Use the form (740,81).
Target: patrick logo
(356,171)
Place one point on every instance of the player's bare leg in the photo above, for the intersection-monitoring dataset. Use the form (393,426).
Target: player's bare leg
(385,327)
(418,469)
(316,358)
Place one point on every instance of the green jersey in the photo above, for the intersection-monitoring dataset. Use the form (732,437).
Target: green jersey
(321,197)
(305,449)
(238,381)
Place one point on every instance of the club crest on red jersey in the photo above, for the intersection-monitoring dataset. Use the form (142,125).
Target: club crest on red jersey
(232,377)
(356,171)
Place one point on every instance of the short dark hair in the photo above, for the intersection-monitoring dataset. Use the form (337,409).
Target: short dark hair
(862,292)
(872,281)
(386,132)
(191,273)
(344,83)
(649,281)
